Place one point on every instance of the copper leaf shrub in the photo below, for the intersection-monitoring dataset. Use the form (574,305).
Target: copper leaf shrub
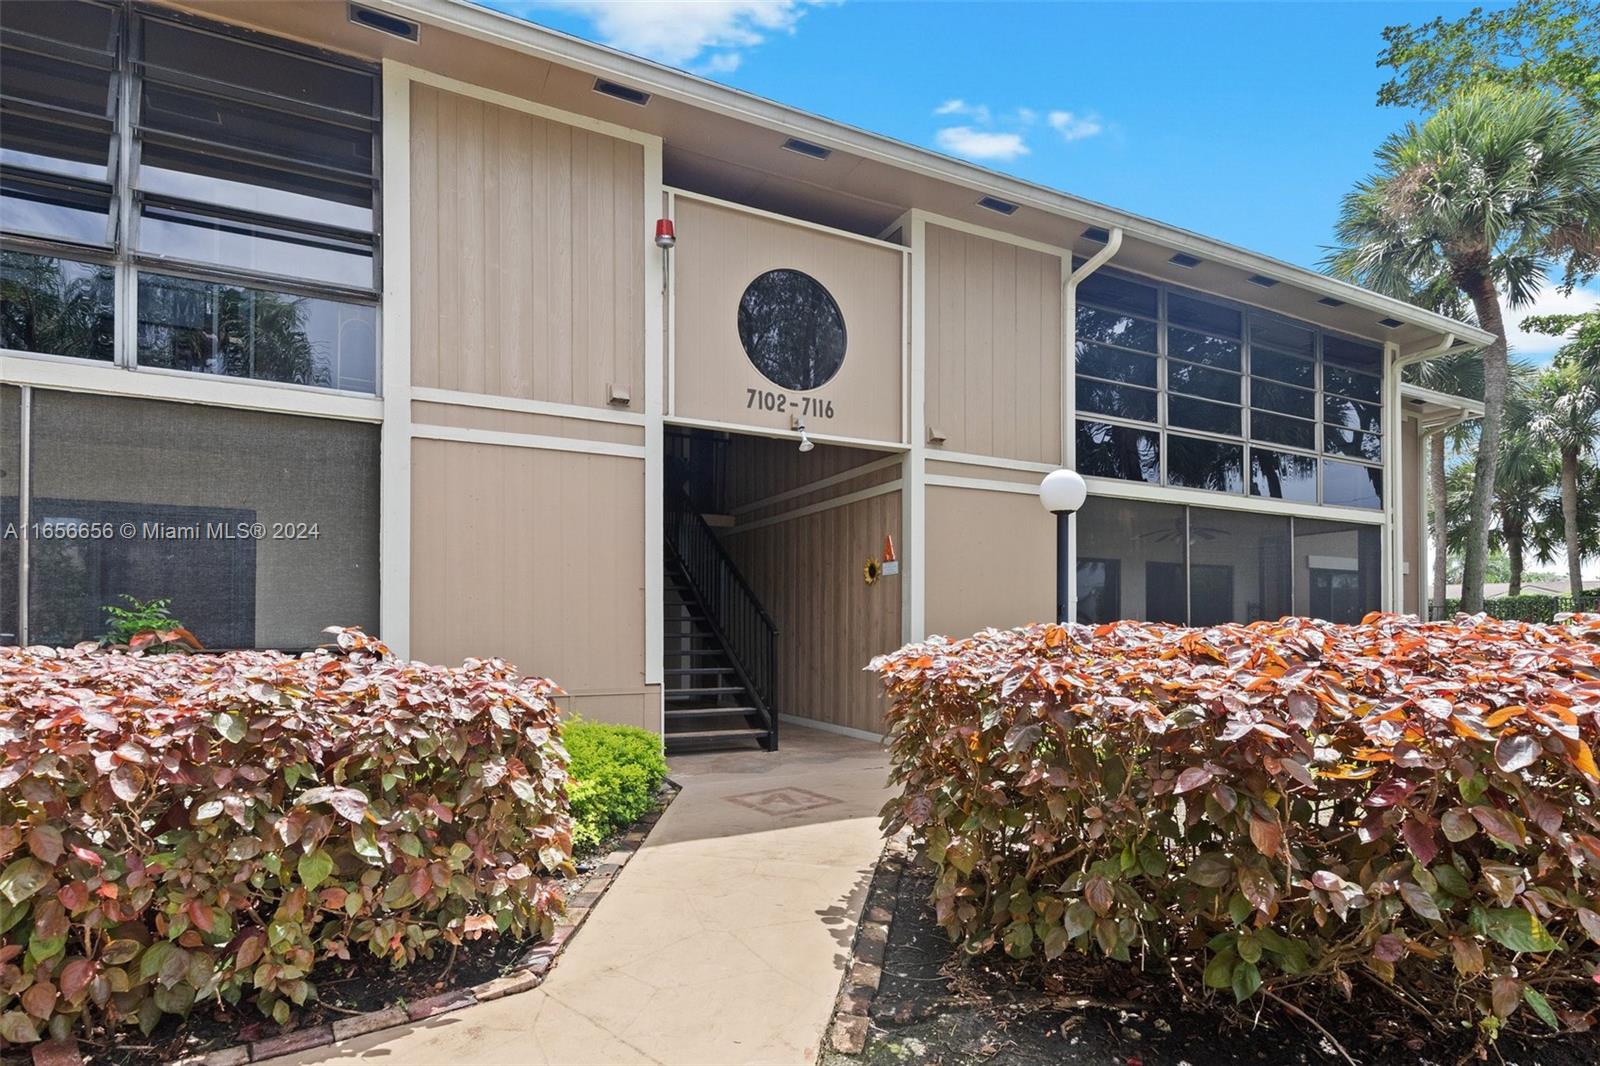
(176,829)
(1281,808)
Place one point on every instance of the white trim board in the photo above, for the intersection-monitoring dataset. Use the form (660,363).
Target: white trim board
(914,501)
(786,434)
(208,389)
(484,401)
(394,480)
(933,455)
(818,485)
(945,481)
(1223,501)
(527,440)
(817,508)
(745,209)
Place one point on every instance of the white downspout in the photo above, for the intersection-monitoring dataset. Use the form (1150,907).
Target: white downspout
(1069,439)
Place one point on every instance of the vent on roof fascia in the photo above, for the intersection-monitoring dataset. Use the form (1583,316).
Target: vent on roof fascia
(1262,280)
(1390,323)
(1096,233)
(815,151)
(1003,207)
(1330,301)
(384,22)
(621,92)
(1184,259)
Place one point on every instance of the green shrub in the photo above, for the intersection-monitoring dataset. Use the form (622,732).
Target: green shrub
(193,829)
(1281,809)
(146,625)
(616,771)
(1527,607)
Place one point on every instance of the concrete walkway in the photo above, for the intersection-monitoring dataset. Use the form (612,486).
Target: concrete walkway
(722,941)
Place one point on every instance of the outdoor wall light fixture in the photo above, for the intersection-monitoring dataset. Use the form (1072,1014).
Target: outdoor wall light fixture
(796,422)
(1062,492)
(666,234)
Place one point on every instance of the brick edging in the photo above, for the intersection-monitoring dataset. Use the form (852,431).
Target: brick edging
(852,1014)
(529,974)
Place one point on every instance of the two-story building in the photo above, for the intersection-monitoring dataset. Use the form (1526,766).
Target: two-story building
(409,315)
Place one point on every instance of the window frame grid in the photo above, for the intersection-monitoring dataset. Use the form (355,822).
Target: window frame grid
(120,252)
(1163,427)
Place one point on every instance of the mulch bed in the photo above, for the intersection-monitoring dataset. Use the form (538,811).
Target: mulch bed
(366,993)
(935,1006)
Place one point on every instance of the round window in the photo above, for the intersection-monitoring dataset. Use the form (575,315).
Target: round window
(792,330)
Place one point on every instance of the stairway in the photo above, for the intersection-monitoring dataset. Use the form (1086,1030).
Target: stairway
(718,646)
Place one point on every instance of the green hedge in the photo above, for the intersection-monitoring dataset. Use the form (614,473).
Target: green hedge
(616,771)
(1528,607)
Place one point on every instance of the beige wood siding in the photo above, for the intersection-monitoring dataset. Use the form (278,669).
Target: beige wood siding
(808,572)
(761,468)
(993,347)
(534,556)
(527,251)
(991,560)
(720,251)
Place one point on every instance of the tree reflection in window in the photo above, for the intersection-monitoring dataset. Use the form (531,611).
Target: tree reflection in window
(55,306)
(1283,475)
(792,330)
(254,333)
(1196,463)
(1105,450)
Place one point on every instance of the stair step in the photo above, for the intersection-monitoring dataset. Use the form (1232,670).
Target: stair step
(709,690)
(698,653)
(687,671)
(703,712)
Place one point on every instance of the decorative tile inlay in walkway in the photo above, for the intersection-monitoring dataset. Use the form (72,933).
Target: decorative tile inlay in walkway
(782,800)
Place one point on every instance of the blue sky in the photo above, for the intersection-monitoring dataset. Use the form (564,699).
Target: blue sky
(1242,121)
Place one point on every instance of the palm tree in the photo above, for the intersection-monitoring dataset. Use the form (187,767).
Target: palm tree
(1524,491)
(1566,417)
(1481,200)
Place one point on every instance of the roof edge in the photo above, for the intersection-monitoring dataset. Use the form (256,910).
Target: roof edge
(1464,404)
(485,23)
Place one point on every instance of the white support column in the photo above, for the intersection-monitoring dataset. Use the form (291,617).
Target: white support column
(1069,399)
(394,529)
(1394,487)
(1393,598)
(655,326)
(914,478)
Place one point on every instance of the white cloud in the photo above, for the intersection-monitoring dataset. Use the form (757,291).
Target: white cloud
(1540,347)
(978,113)
(1074,127)
(981,144)
(709,33)
(988,135)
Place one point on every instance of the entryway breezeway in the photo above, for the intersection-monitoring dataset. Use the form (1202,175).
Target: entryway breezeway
(781,583)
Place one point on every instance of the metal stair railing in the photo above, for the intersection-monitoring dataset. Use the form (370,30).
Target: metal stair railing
(733,611)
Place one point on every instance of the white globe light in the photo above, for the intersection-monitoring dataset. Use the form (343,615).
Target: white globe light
(1062,491)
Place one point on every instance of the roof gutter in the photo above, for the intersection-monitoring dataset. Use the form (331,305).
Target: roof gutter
(467,18)
(1098,260)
